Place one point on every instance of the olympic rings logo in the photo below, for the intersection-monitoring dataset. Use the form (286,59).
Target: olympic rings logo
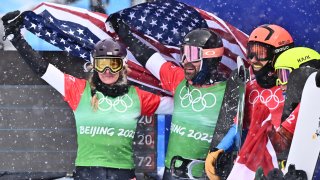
(267,97)
(120,104)
(195,98)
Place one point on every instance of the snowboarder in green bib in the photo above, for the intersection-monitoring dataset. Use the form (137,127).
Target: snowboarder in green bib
(198,88)
(106,107)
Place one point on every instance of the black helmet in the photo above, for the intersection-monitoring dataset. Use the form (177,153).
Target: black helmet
(109,47)
(210,48)
(109,54)
(204,38)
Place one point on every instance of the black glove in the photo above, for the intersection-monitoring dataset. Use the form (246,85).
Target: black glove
(141,51)
(293,174)
(259,174)
(118,25)
(114,19)
(275,174)
(14,26)
(318,79)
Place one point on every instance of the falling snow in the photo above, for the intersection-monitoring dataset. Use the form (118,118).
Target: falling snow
(37,128)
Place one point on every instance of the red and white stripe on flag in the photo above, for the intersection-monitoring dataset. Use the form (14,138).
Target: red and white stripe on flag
(234,40)
(257,150)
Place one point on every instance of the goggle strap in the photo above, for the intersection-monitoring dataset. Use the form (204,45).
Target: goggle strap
(212,53)
(193,53)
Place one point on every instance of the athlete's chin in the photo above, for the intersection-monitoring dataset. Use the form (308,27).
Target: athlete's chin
(256,67)
(108,80)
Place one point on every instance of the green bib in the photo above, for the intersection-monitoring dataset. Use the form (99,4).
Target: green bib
(194,119)
(105,136)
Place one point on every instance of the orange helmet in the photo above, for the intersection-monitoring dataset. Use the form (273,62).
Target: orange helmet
(271,38)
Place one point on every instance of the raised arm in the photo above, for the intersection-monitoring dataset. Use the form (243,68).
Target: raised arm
(141,51)
(169,74)
(12,30)
(13,22)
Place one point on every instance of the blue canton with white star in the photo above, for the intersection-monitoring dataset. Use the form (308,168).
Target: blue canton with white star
(166,21)
(68,36)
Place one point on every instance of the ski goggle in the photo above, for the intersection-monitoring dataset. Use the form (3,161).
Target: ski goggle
(193,53)
(262,52)
(283,75)
(114,64)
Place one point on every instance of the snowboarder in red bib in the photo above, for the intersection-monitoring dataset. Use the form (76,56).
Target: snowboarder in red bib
(293,68)
(265,44)
(299,62)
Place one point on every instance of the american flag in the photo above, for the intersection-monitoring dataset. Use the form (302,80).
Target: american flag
(164,24)
(161,25)
(71,29)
